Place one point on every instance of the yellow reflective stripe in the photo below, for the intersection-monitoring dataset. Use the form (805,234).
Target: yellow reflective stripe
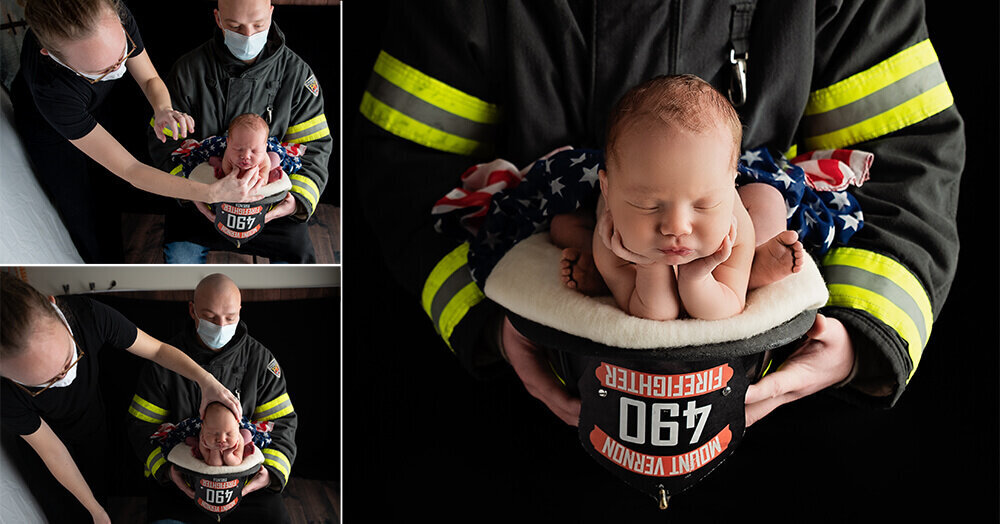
(886,289)
(411,129)
(916,109)
(155,460)
(306,125)
(306,193)
(895,93)
(268,405)
(147,411)
(314,136)
(177,171)
(278,460)
(792,152)
(859,298)
(276,408)
(434,91)
(873,79)
(449,292)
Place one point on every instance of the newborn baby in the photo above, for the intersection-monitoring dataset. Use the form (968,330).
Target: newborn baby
(221,441)
(246,147)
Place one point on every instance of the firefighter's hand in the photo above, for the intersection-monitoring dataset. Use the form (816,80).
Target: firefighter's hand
(205,211)
(531,366)
(825,359)
(179,482)
(261,480)
(284,208)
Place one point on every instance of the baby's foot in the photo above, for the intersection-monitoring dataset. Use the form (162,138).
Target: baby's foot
(776,259)
(578,272)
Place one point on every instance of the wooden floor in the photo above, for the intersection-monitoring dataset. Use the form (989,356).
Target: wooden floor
(308,502)
(143,239)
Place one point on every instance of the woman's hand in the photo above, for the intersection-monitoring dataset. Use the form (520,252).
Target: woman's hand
(232,189)
(179,124)
(213,391)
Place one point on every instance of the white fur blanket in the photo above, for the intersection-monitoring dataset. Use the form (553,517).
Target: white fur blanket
(181,456)
(526,282)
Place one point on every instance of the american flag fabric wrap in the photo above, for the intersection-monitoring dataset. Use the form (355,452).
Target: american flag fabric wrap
(169,435)
(499,205)
(814,185)
(192,152)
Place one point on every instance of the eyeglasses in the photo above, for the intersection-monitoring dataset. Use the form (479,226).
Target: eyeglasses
(112,69)
(57,377)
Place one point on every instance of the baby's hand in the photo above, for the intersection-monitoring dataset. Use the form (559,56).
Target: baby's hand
(613,240)
(703,266)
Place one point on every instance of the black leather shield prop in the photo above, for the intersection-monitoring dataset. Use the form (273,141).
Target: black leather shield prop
(663,419)
(239,223)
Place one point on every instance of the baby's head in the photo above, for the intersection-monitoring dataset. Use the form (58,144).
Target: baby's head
(672,148)
(247,141)
(219,430)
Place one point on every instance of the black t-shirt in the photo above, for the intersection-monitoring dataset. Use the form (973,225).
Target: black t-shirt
(73,409)
(65,99)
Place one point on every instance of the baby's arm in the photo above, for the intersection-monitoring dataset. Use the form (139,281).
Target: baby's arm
(234,455)
(641,290)
(715,287)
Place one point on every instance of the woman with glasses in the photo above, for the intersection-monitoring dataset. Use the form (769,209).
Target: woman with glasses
(71,56)
(50,397)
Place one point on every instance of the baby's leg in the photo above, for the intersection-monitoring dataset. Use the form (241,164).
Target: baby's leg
(778,253)
(574,232)
(275,172)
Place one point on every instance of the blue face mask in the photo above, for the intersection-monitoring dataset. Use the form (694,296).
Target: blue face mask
(245,47)
(215,336)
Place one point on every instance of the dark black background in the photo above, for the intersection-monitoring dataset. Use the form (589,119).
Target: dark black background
(422,437)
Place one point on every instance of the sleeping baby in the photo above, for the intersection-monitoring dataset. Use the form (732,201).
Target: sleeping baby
(246,147)
(221,442)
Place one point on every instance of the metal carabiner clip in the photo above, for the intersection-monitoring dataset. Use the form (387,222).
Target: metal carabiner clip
(738,77)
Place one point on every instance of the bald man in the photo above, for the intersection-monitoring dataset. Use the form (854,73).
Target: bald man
(219,342)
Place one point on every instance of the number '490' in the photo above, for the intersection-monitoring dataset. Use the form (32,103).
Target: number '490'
(664,421)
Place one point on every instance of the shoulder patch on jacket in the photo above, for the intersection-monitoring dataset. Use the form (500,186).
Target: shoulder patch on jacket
(273,367)
(312,85)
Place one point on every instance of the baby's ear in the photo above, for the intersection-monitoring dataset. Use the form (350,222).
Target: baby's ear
(602,175)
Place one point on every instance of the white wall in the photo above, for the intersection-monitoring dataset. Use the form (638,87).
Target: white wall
(50,280)
(17,504)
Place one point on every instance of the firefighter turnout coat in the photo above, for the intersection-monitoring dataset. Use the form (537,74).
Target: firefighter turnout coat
(244,366)
(458,83)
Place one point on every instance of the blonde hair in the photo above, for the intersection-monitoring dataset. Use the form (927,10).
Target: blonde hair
(57,21)
(681,100)
(20,307)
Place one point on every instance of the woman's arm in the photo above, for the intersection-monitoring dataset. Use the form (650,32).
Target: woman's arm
(164,115)
(56,457)
(175,360)
(105,150)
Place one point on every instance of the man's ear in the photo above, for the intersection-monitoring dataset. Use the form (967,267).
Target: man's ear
(191,311)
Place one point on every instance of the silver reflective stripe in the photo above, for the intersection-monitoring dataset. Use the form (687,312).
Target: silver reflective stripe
(853,276)
(306,132)
(876,103)
(417,109)
(455,282)
(264,414)
(307,187)
(155,416)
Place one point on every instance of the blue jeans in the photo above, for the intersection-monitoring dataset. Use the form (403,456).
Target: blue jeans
(190,253)
(184,253)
